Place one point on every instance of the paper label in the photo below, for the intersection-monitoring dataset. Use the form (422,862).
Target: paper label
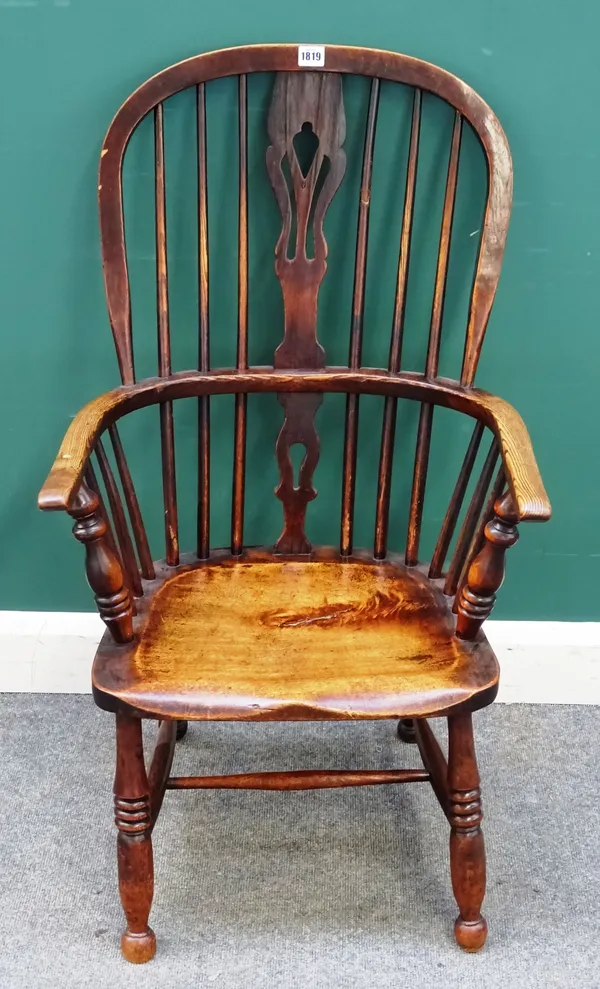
(311,56)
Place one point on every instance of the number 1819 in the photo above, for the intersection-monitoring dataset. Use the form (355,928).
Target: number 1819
(311,55)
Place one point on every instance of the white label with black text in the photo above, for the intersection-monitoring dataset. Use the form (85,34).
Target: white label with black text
(311,56)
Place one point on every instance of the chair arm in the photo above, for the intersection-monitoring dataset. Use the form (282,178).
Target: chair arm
(62,485)
(530,498)
(531,503)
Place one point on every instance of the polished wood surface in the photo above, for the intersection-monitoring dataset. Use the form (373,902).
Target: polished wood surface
(300,779)
(102,567)
(308,105)
(467,855)
(505,422)
(297,632)
(267,640)
(133,817)
(486,573)
(284,59)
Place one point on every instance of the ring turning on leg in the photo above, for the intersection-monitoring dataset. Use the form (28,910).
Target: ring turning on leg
(134,842)
(467,852)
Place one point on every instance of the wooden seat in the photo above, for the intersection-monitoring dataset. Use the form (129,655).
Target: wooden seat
(292,632)
(270,640)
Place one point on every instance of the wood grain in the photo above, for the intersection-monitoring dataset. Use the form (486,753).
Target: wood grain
(297,640)
(470,521)
(167,435)
(467,853)
(134,841)
(120,522)
(203,517)
(312,104)
(239,442)
(384,65)
(133,507)
(160,766)
(450,519)
(515,446)
(356,329)
(384,483)
(300,779)
(304,633)
(433,760)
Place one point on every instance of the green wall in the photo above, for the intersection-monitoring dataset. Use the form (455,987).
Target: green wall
(67,65)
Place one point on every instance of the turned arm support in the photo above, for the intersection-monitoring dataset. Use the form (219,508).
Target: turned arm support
(486,573)
(530,499)
(103,569)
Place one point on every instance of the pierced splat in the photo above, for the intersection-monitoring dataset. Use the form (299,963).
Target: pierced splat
(306,164)
(298,427)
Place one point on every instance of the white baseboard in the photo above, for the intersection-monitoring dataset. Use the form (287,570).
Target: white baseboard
(542,662)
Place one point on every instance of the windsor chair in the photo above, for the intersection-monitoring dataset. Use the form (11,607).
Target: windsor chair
(295,632)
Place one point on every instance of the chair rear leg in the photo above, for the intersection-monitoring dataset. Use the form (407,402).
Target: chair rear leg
(406,730)
(182,727)
(134,842)
(467,852)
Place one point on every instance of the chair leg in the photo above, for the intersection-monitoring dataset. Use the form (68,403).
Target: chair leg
(182,727)
(134,842)
(406,730)
(467,852)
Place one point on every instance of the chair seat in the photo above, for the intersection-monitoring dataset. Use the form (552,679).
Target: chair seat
(264,638)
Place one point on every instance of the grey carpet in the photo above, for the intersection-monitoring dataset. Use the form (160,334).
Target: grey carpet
(332,889)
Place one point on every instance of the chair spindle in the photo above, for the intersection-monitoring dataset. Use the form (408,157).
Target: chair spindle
(433,351)
(133,507)
(203,521)
(470,520)
(164,345)
(120,522)
(91,480)
(441,274)
(239,462)
(449,524)
(417,497)
(478,537)
(391,404)
(356,331)
(406,236)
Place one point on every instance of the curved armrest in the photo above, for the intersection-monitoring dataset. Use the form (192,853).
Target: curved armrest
(530,498)
(520,466)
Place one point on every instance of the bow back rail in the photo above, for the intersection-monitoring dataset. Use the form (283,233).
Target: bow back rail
(341,60)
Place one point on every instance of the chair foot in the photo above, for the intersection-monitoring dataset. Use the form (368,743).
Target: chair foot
(467,852)
(406,730)
(470,935)
(138,948)
(182,727)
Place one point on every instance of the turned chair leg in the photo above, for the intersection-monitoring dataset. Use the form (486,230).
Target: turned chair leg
(182,727)
(467,852)
(134,842)
(406,730)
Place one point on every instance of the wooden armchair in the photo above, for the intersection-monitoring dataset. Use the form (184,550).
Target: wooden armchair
(295,632)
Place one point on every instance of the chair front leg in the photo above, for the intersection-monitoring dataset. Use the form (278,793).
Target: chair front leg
(134,842)
(467,852)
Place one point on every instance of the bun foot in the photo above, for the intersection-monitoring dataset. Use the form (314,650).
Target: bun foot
(406,730)
(138,948)
(470,934)
(182,727)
